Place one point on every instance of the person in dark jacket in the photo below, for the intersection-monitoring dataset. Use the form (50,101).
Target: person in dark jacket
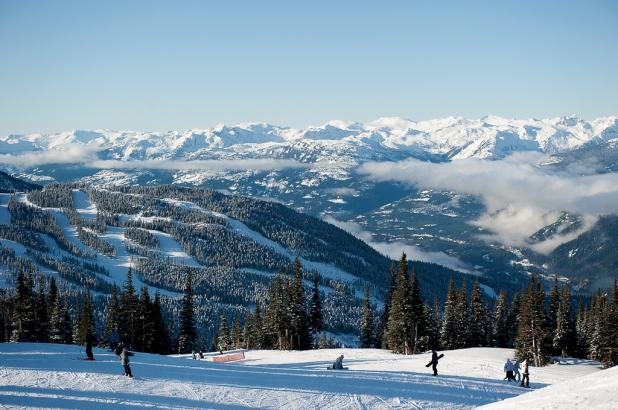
(526,374)
(124,359)
(434,361)
(89,343)
(114,338)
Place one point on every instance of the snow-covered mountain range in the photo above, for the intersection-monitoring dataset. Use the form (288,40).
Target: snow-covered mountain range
(315,170)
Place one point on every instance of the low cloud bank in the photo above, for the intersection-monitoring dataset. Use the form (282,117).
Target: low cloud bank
(394,249)
(521,196)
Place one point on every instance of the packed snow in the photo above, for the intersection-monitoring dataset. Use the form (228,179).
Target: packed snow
(55,376)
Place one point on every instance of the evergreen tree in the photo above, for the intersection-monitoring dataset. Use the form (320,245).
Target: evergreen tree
(531,331)
(382,328)
(417,315)
(224,334)
(236,339)
(554,305)
(297,308)
(316,318)
(367,322)
(448,333)
(160,336)
(462,319)
(85,320)
(257,330)
(564,339)
(581,329)
(399,331)
(128,312)
(112,317)
(24,315)
(42,316)
(60,323)
(477,335)
(187,334)
(52,295)
(145,330)
(500,324)
(434,323)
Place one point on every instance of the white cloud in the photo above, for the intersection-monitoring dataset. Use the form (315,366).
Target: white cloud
(520,195)
(69,154)
(394,249)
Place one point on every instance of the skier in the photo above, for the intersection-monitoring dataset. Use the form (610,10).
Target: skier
(193,355)
(113,340)
(124,359)
(434,361)
(89,342)
(516,367)
(508,368)
(526,376)
(201,354)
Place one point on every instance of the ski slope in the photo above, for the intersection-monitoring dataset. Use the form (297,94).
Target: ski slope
(54,376)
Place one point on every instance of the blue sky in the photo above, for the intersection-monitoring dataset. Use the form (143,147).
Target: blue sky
(152,65)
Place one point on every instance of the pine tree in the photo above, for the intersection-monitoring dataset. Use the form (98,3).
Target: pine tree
(367,322)
(42,316)
(581,329)
(187,334)
(382,328)
(500,325)
(85,320)
(257,330)
(564,339)
(434,323)
(531,340)
(247,332)
(316,318)
(60,323)
(52,295)
(448,333)
(477,335)
(128,312)
(224,334)
(160,336)
(235,336)
(513,318)
(275,316)
(417,315)
(112,318)
(299,324)
(399,331)
(145,329)
(24,316)
(462,319)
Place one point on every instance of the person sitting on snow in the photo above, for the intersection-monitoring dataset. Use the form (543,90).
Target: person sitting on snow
(338,365)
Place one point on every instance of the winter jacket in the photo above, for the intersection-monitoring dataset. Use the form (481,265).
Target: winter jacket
(524,366)
(434,358)
(508,366)
(124,357)
(516,367)
(113,338)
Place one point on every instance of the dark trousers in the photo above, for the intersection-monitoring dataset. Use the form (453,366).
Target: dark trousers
(434,366)
(127,370)
(509,375)
(525,378)
(89,351)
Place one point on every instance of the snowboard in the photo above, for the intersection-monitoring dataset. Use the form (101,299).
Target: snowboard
(439,357)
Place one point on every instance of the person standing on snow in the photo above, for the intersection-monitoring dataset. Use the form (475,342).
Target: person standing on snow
(434,361)
(508,368)
(124,359)
(516,367)
(526,376)
(89,343)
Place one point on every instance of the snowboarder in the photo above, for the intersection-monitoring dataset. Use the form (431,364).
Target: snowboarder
(124,359)
(193,355)
(516,367)
(434,361)
(89,342)
(526,377)
(508,368)
(338,364)
(113,340)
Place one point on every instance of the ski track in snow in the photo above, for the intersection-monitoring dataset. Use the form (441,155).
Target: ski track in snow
(44,375)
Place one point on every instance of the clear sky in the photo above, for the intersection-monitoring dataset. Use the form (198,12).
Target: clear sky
(153,65)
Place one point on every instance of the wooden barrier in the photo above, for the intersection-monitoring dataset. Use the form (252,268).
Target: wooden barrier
(231,357)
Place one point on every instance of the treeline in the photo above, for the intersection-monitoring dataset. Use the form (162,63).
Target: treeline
(536,325)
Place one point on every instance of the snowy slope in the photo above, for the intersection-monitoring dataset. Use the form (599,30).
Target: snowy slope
(41,375)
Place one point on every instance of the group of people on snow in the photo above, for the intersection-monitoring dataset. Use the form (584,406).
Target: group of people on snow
(512,370)
(116,346)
